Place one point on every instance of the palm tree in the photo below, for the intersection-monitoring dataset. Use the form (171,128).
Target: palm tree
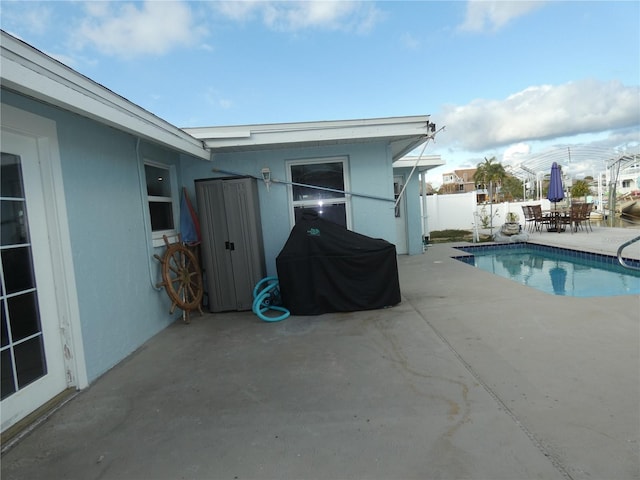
(580,188)
(489,173)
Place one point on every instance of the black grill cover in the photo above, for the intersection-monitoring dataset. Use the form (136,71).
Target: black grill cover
(323,267)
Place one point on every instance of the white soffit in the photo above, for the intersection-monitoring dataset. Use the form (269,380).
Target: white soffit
(425,162)
(407,132)
(30,72)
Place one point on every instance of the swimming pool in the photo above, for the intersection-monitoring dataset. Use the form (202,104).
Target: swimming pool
(554,270)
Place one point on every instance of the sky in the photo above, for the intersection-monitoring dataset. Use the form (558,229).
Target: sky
(503,79)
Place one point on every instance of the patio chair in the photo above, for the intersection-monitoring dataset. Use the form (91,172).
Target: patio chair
(568,219)
(529,219)
(587,216)
(575,217)
(583,217)
(540,220)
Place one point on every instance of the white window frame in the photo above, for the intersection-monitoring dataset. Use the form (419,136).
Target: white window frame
(346,200)
(157,236)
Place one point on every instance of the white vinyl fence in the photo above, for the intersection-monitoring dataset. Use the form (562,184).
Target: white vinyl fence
(461,212)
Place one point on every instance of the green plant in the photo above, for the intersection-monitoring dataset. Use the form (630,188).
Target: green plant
(512,217)
(489,174)
(580,189)
(512,188)
(485,218)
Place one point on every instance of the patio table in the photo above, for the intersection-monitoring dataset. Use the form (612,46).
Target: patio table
(555,217)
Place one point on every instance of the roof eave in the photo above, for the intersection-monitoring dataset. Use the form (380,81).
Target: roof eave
(422,163)
(32,73)
(408,131)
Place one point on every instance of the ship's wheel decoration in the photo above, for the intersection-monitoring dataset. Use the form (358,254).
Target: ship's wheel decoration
(181,278)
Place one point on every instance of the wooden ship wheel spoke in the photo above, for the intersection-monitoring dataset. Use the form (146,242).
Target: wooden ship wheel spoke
(181,278)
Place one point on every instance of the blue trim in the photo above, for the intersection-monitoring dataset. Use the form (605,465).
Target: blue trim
(596,257)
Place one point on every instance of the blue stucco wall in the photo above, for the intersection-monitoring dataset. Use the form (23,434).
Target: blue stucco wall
(114,268)
(412,196)
(370,173)
(119,308)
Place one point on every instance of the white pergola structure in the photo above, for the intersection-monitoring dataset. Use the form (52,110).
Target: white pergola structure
(603,164)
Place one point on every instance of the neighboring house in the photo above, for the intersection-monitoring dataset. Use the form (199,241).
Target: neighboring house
(459,181)
(91,182)
(628,180)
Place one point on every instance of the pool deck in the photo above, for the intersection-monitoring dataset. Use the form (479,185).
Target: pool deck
(471,376)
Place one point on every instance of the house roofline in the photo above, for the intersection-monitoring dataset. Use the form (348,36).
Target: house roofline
(30,72)
(403,133)
(245,131)
(422,163)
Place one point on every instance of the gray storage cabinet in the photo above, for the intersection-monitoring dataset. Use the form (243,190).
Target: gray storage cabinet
(232,246)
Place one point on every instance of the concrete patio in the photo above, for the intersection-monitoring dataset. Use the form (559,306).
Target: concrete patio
(472,376)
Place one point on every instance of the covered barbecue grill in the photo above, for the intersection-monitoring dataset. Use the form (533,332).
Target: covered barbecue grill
(323,267)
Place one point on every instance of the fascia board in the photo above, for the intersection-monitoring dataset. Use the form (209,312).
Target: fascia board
(203,133)
(29,72)
(426,162)
(280,134)
(239,131)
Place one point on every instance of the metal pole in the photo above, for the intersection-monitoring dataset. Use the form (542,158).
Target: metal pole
(274,180)
(491,207)
(429,137)
(600,201)
(425,221)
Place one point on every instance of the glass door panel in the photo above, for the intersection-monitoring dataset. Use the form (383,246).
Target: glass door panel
(22,352)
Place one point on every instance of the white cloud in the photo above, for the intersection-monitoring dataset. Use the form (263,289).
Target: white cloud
(207,47)
(409,41)
(124,29)
(217,100)
(542,112)
(27,17)
(358,17)
(485,15)
(97,9)
(37,19)
(593,120)
(514,152)
(238,10)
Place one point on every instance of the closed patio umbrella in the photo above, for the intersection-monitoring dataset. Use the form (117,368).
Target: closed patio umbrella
(558,279)
(555,194)
(556,191)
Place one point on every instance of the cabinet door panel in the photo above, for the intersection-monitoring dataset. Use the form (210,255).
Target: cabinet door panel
(216,256)
(243,221)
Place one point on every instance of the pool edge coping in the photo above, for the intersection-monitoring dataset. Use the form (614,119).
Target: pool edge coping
(594,256)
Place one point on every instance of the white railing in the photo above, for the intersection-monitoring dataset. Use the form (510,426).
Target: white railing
(621,260)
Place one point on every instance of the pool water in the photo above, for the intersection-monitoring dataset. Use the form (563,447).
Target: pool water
(557,271)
